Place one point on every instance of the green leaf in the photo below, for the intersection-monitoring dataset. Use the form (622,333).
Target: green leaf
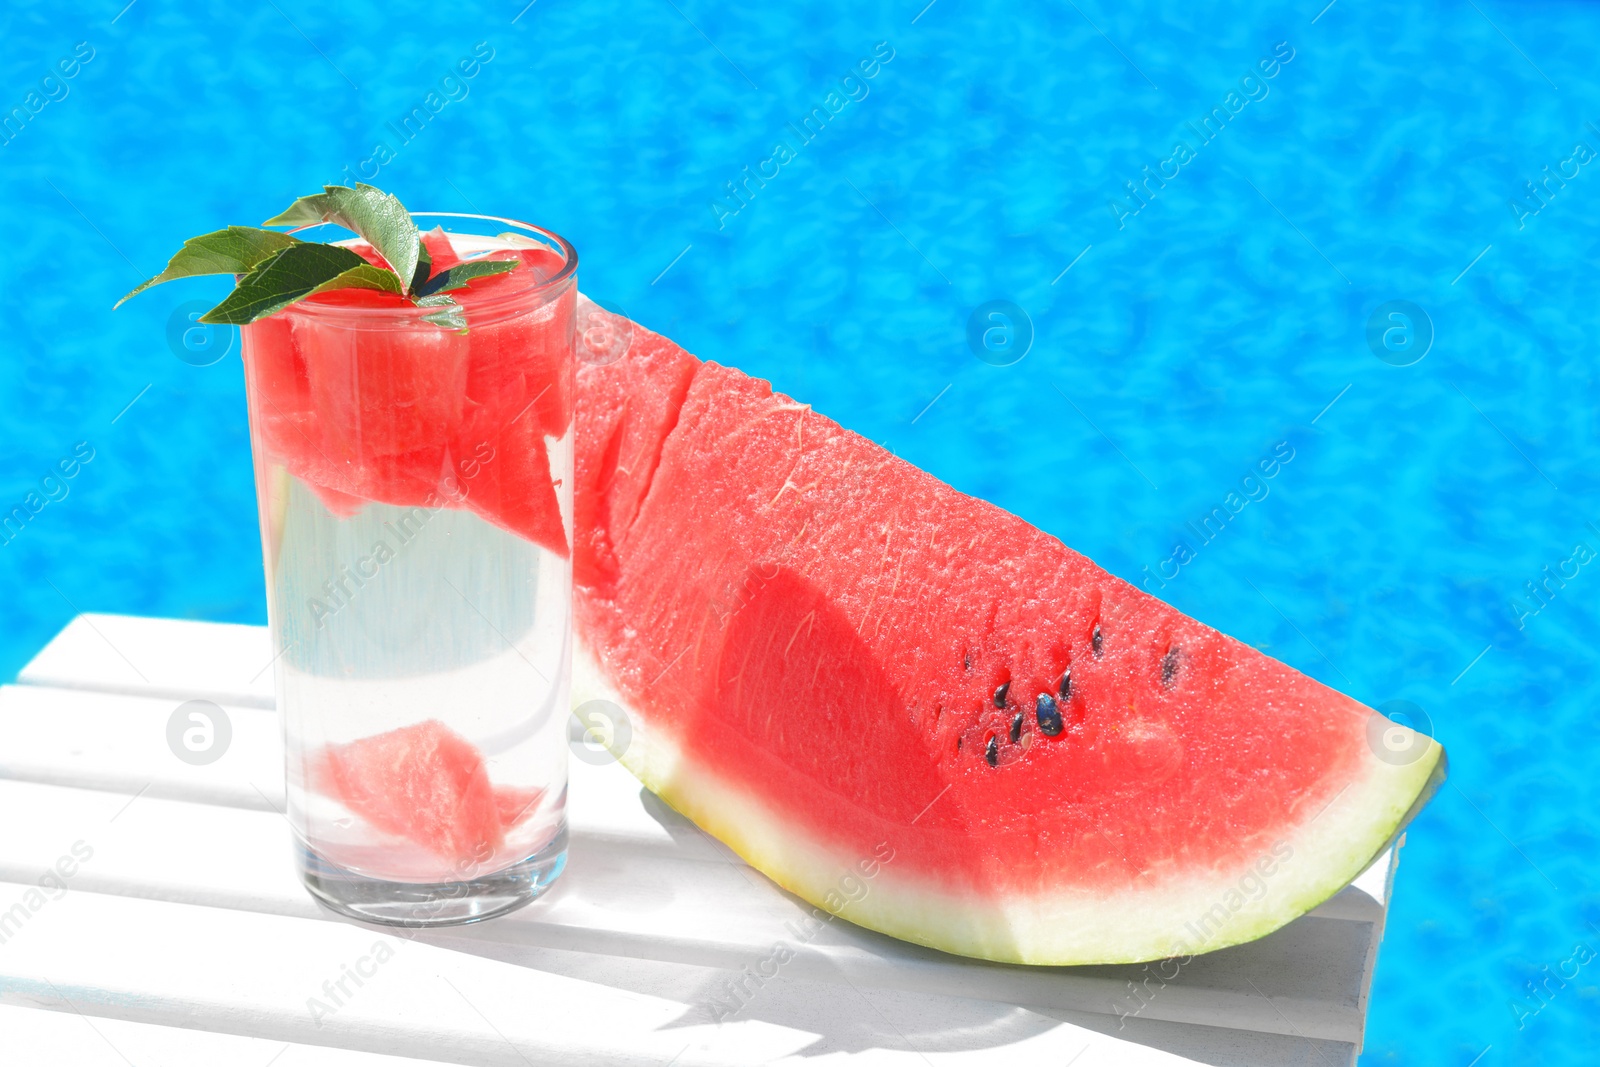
(364,276)
(451,315)
(462,273)
(235,250)
(380,220)
(292,274)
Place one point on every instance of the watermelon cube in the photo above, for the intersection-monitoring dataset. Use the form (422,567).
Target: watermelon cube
(505,477)
(428,785)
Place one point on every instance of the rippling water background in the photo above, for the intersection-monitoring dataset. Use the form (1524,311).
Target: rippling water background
(1187,341)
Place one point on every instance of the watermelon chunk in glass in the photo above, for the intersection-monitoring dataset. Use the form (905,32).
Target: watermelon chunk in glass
(504,477)
(428,785)
(440,251)
(406,416)
(514,805)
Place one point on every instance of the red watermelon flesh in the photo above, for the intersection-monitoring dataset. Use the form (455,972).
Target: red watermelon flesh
(405,416)
(514,806)
(428,785)
(440,250)
(340,504)
(384,392)
(513,360)
(836,663)
(623,419)
(506,479)
(523,360)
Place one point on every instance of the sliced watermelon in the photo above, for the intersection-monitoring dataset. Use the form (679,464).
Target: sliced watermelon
(528,356)
(543,263)
(341,504)
(515,806)
(440,251)
(853,674)
(384,392)
(525,361)
(280,383)
(505,479)
(623,419)
(406,416)
(427,784)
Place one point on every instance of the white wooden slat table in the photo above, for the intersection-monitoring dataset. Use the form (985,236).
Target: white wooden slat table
(183,937)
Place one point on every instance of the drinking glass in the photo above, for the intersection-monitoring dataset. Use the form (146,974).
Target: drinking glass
(414,480)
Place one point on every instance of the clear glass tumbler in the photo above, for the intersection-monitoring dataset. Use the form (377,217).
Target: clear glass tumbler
(415,488)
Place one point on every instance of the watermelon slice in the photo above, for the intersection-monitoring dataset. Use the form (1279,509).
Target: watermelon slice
(855,675)
(428,785)
(407,416)
(505,479)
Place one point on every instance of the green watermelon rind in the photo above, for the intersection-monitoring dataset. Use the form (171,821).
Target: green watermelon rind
(1176,917)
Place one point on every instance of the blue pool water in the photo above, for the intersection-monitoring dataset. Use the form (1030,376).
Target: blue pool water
(1380,162)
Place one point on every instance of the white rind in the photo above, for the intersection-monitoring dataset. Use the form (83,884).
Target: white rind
(1199,911)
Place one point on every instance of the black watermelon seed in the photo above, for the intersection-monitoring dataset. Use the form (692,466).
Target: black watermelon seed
(1016,727)
(1095,640)
(1066,684)
(992,753)
(1000,694)
(1169,666)
(1048,714)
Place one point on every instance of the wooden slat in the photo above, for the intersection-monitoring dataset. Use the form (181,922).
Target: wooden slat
(254,975)
(176,659)
(250,975)
(103,741)
(224,662)
(68,1039)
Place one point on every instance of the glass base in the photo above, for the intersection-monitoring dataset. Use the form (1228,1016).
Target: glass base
(429,904)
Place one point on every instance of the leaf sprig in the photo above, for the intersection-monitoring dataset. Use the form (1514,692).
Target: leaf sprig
(278,269)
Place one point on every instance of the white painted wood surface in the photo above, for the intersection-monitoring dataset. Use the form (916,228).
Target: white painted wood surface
(185,938)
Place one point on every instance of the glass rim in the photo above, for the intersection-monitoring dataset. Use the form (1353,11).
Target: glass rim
(495,307)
